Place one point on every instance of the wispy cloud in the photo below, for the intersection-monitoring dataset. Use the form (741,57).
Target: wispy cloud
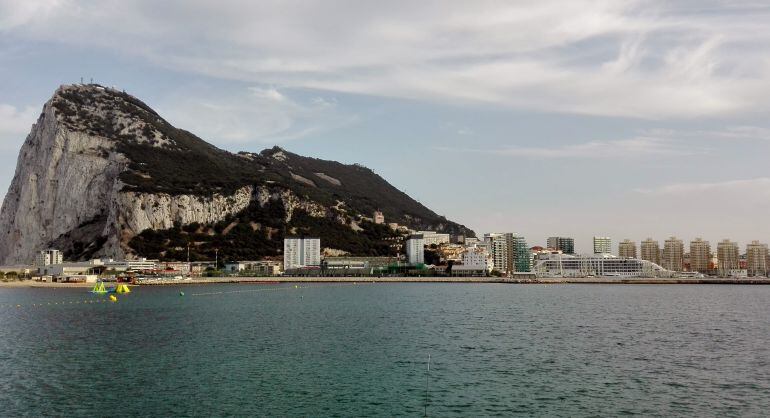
(15,123)
(260,114)
(645,59)
(634,148)
(748,188)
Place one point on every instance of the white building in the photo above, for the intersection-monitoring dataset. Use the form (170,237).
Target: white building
(379,217)
(497,244)
(415,249)
(602,245)
(477,258)
(260,268)
(301,252)
(134,265)
(434,238)
(603,265)
(48,257)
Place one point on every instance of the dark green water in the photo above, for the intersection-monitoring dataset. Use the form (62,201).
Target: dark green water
(361,350)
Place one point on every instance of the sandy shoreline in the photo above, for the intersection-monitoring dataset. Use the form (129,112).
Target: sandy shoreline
(478,280)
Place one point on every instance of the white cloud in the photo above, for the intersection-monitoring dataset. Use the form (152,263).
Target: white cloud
(747,188)
(638,147)
(260,114)
(647,59)
(15,123)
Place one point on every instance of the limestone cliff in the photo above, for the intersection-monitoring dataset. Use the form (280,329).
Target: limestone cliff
(102,174)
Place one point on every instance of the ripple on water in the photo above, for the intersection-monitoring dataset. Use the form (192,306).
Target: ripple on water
(496,350)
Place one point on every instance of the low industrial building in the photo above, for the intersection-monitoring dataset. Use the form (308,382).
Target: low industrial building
(256,268)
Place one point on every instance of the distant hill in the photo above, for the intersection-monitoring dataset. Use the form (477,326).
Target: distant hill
(102,174)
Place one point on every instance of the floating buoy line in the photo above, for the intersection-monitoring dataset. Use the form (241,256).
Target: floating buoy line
(56,303)
(113,299)
(271,289)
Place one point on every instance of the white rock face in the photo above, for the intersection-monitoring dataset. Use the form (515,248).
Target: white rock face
(67,187)
(62,180)
(65,179)
(142,211)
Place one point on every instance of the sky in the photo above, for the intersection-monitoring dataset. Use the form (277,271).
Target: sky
(627,119)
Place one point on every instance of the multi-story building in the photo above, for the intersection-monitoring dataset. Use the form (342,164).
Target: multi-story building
(476,261)
(673,254)
(756,259)
(434,238)
(605,265)
(602,245)
(700,255)
(522,255)
(140,264)
(257,268)
(650,251)
(564,244)
(415,249)
(498,247)
(728,258)
(301,252)
(48,257)
(627,249)
(379,217)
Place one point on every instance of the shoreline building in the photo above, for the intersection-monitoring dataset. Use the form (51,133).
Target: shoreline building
(602,265)
(48,257)
(301,252)
(650,251)
(673,255)
(756,259)
(498,248)
(627,249)
(700,255)
(518,254)
(415,249)
(476,261)
(564,244)
(602,245)
(728,258)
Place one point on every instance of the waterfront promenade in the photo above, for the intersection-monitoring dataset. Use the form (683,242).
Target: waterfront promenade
(263,280)
(553,280)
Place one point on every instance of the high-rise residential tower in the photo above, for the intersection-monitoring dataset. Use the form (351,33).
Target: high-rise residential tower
(756,259)
(564,244)
(627,249)
(521,260)
(301,252)
(673,254)
(415,249)
(728,257)
(602,245)
(700,255)
(498,247)
(650,250)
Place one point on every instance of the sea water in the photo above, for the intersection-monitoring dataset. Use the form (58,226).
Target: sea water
(362,350)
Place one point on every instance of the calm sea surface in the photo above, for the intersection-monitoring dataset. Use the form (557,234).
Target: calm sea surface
(362,350)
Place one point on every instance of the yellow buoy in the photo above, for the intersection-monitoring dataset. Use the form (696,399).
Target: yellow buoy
(113,298)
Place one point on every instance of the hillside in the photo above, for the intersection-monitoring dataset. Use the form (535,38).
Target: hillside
(102,174)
